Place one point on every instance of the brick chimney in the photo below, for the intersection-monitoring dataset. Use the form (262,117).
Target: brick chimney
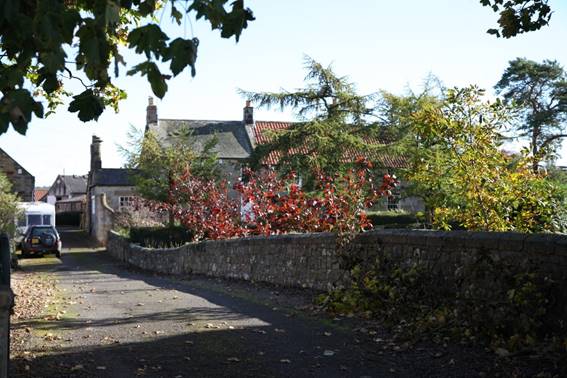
(151,113)
(248,114)
(96,160)
(248,121)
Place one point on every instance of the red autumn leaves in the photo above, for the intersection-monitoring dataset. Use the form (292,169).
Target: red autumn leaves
(264,203)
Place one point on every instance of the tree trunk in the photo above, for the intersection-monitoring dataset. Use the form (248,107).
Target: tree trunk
(535,150)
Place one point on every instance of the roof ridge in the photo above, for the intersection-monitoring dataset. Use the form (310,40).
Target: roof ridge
(201,120)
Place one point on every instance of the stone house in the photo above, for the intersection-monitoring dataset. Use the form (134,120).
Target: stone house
(108,190)
(237,140)
(23,182)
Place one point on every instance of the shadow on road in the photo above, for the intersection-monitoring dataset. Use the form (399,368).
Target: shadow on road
(277,343)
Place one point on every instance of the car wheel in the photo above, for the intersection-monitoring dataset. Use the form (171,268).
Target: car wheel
(24,255)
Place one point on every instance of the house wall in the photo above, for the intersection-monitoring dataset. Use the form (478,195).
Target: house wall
(23,183)
(104,201)
(70,207)
(231,170)
(59,189)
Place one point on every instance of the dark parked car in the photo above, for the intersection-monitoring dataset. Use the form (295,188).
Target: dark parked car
(39,240)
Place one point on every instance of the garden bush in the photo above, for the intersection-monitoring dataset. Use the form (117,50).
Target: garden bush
(160,237)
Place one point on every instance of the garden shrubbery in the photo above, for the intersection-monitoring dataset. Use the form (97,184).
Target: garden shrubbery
(490,301)
(160,237)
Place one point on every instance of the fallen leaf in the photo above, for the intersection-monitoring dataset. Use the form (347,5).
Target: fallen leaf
(233,359)
(502,352)
(328,353)
(285,361)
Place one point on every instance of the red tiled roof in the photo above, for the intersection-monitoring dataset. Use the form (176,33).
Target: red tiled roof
(261,137)
(38,194)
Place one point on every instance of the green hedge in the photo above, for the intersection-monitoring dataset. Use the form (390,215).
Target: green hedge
(160,237)
(392,219)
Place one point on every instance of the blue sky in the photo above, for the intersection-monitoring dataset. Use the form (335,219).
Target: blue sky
(378,44)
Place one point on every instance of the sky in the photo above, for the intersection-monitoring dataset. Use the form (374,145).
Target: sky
(379,44)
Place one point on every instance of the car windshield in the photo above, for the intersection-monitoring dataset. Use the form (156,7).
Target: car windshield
(38,231)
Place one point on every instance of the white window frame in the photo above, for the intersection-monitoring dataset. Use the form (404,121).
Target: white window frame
(125,202)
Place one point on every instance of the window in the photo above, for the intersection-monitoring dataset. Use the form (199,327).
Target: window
(34,219)
(126,202)
(47,219)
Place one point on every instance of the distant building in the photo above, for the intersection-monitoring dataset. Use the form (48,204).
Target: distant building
(236,140)
(108,191)
(68,186)
(23,182)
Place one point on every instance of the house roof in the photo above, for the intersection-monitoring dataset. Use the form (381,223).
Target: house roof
(39,193)
(75,183)
(261,134)
(113,177)
(233,142)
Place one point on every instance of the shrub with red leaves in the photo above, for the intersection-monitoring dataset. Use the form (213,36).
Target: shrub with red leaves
(270,204)
(279,205)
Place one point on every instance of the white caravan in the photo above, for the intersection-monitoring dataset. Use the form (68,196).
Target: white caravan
(35,213)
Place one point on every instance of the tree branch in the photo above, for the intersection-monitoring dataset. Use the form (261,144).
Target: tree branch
(550,139)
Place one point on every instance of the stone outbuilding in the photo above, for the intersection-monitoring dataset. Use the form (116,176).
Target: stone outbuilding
(108,190)
(23,183)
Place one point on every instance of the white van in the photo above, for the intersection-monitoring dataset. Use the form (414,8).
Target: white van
(35,213)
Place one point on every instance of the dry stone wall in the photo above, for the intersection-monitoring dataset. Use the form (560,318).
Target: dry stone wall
(311,260)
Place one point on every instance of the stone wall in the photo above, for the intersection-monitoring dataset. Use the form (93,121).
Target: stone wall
(310,260)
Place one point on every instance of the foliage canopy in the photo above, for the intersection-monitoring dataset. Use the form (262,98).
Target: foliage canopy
(519,16)
(47,42)
(480,186)
(334,119)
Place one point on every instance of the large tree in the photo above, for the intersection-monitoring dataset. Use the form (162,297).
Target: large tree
(46,43)
(333,121)
(540,92)
(479,186)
